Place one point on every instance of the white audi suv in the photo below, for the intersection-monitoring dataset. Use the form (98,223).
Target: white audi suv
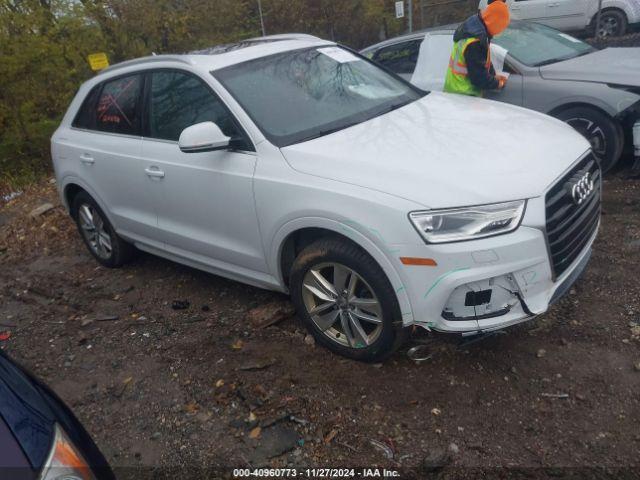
(297,165)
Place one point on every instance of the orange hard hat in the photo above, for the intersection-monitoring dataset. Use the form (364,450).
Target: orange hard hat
(496,17)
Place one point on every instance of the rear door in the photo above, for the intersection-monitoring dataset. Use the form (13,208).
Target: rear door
(206,208)
(105,143)
(533,10)
(567,15)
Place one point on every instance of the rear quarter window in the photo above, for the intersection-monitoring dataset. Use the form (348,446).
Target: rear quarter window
(86,116)
(119,106)
(400,58)
(113,106)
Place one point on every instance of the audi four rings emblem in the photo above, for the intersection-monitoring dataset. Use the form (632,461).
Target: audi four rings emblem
(581,189)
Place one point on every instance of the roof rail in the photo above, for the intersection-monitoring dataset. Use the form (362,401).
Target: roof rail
(286,36)
(150,59)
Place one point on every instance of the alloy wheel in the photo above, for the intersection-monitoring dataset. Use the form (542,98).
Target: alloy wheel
(94,231)
(342,305)
(593,133)
(608,27)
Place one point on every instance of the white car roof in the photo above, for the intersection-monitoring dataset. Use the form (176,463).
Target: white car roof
(221,56)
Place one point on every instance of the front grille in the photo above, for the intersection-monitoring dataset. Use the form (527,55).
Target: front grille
(570,225)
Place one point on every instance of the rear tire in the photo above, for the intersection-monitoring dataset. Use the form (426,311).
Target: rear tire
(98,234)
(599,129)
(345,300)
(613,23)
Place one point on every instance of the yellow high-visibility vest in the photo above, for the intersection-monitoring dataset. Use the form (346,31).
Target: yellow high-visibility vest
(457,79)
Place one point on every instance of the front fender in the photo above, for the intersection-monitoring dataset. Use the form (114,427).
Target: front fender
(368,239)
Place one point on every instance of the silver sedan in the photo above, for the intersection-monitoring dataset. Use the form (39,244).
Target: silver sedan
(595,91)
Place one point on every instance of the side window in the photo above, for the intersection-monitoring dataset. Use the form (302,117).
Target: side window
(86,116)
(399,58)
(119,106)
(179,100)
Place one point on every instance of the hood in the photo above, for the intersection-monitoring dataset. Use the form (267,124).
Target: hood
(446,150)
(619,66)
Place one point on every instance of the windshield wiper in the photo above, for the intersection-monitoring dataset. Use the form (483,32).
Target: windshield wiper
(328,131)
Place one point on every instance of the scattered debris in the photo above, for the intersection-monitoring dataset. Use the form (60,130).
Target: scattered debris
(300,421)
(255,433)
(10,196)
(330,436)
(454,449)
(555,395)
(42,209)
(106,318)
(309,340)
(155,436)
(436,411)
(637,367)
(219,383)
(420,353)
(258,364)
(386,449)
(541,353)
(180,304)
(270,314)
(86,322)
(4,336)
(237,345)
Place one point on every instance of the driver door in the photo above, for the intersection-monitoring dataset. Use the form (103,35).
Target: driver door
(566,15)
(206,208)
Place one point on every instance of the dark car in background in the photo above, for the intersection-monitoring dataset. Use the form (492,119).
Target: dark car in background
(40,438)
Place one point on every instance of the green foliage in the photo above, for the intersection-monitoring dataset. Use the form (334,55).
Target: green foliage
(44,45)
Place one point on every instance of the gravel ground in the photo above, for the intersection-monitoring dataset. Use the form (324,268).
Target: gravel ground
(631,40)
(204,387)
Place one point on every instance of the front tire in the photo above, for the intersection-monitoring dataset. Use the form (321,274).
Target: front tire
(599,129)
(345,300)
(98,234)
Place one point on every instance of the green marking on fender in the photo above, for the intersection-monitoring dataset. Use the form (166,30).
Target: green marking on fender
(442,277)
(400,289)
(406,313)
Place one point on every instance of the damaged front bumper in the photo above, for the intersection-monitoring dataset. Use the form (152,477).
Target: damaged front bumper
(491,283)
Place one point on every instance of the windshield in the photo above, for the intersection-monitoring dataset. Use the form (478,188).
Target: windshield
(304,94)
(536,45)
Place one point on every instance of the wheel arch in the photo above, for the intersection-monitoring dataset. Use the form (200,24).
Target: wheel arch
(580,104)
(614,119)
(71,186)
(616,8)
(297,234)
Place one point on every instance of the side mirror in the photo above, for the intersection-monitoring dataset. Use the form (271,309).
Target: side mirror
(203,137)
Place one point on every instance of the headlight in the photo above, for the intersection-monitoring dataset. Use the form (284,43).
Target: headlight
(468,223)
(65,462)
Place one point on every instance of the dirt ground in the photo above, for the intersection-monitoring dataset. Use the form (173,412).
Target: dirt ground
(203,387)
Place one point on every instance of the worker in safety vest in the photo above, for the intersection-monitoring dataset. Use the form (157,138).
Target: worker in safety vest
(470,70)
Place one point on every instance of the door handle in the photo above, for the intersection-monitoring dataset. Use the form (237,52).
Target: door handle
(154,172)
(87,159)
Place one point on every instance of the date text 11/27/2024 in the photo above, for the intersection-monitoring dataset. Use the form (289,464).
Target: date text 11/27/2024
(315,473)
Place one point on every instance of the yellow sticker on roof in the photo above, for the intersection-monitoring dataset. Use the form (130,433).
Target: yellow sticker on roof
(98,61)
